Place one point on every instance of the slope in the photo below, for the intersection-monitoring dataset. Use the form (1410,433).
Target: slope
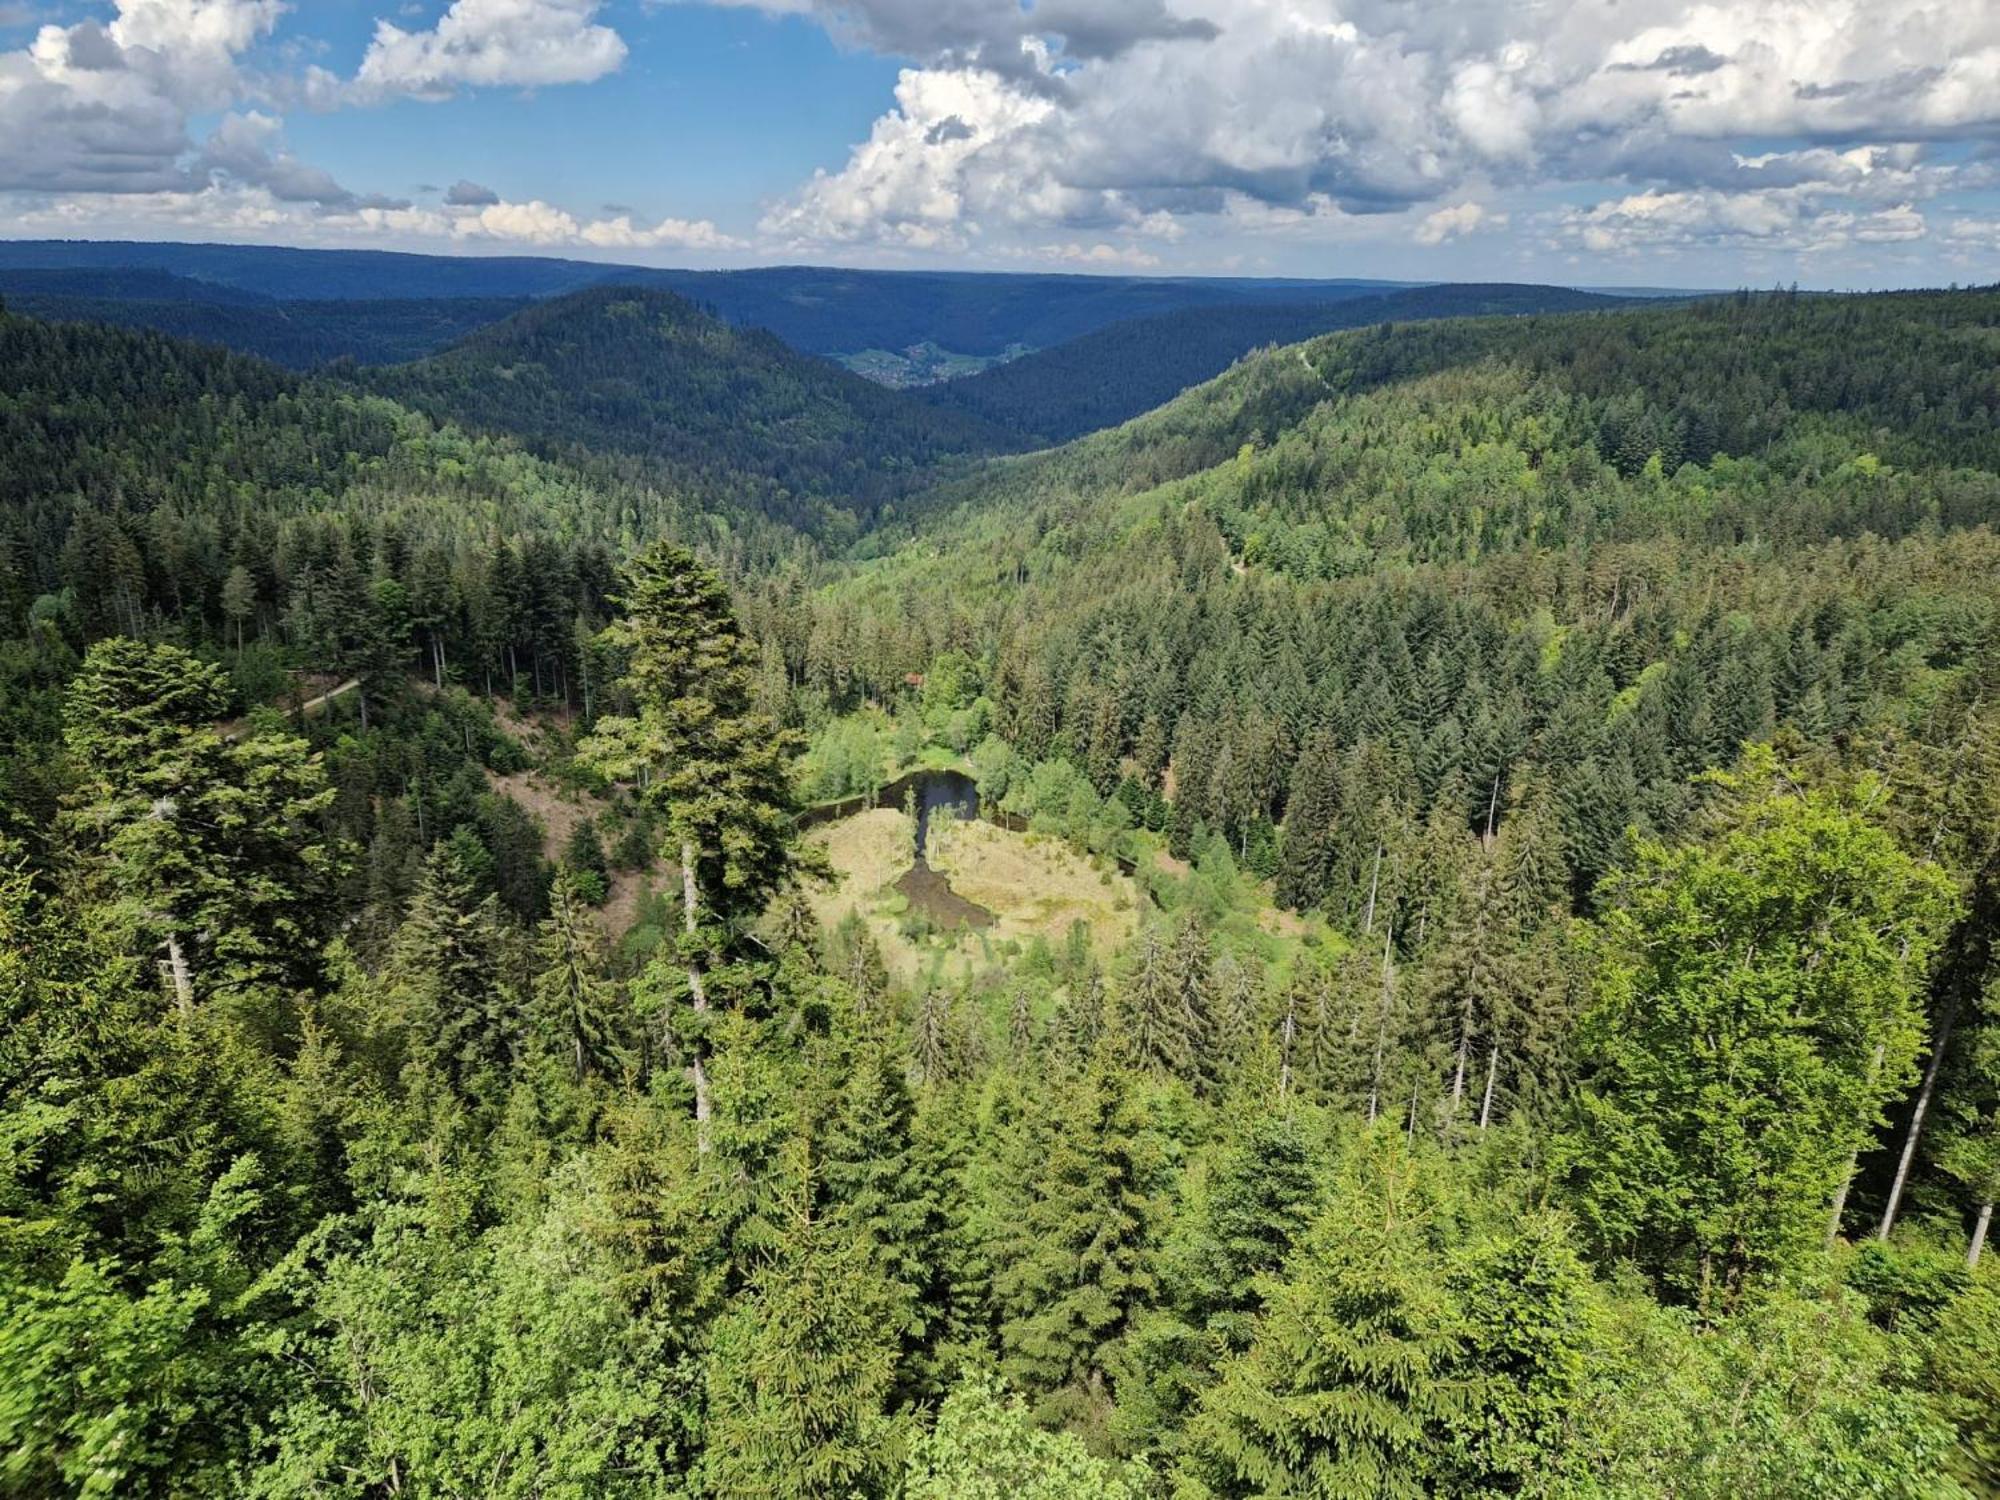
(677,394)
(300,335)
(821,310)
(1565,562)
(1114,374)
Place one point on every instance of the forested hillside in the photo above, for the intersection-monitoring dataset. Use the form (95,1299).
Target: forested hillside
(650,377)
(1107,377)
(1539,777)
(300,335)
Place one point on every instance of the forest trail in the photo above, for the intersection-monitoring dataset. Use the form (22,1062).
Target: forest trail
(231,729)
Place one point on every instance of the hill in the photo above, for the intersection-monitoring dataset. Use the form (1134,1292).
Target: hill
(647,376)
(1375,532)
(820,310)
(981,314)
(1103,378)
(300,335)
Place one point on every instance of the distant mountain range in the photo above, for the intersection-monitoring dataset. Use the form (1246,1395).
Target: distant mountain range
(819,310)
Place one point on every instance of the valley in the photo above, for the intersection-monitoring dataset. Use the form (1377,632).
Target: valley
(1294,888)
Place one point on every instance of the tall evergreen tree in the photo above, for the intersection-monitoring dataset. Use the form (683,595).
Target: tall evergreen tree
(719,771)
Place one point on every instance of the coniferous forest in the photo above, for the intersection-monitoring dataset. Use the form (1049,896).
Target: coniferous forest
(1462,958)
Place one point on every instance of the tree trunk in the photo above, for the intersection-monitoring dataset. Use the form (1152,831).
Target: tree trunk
(1979,1235)
(183,980)
(1925,1091)
(1381,1029)
(1464,1047)
(437,659)
(1285,1045)
(1853,1159)
(1374,881)
(697,991)
(1486,1104)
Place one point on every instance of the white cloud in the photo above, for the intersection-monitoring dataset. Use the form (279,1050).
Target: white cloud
(487,44)
(1807,201)
(249,150)
(1186,109)
(105,108)
(620,233)
(235,205)
(1460,218)
(1100,256)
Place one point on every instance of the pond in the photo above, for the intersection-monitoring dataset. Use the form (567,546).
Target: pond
(923,887)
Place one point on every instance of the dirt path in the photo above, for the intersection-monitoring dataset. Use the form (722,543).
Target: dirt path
(313,705)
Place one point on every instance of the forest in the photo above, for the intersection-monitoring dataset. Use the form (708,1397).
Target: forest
(1472,973)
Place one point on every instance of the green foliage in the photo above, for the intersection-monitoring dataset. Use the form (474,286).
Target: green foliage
(984,1447)
(1372,660)
(1355,1369)
(1757,1007)
(800,1376)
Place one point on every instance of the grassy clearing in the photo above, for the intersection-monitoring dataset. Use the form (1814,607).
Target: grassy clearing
(1035,886)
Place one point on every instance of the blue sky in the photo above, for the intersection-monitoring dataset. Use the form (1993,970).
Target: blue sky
(1675,142)
(718,110)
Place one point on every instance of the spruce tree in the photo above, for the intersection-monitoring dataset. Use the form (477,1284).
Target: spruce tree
(1356,1367)
(207,850)
(574,1001)
(447,962)
(800,1374)
(1085,1268)
(718,771)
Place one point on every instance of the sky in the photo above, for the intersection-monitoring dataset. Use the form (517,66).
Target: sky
(1833,143)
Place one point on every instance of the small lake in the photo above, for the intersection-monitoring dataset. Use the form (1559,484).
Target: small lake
(927,791)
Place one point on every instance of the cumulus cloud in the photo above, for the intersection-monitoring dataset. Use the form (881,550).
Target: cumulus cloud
(490,43)
(249,150)
(1332,109)
(100,107)
(1002,35)
(1806,201)
(1460,218)
(232,207)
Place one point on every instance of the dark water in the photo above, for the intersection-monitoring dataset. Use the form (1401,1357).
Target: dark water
(925,889)
(935,789)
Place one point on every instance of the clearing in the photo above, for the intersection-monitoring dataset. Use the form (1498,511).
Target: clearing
(1034,886)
